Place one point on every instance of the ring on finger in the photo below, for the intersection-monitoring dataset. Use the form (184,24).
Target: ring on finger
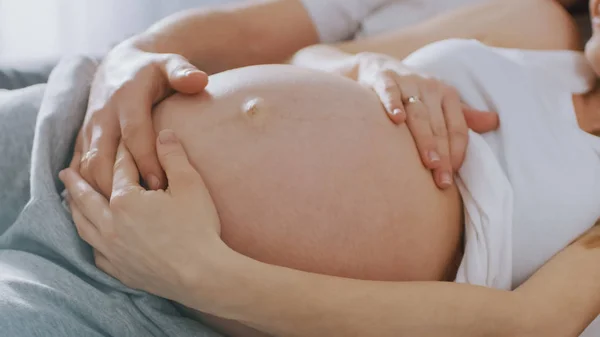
(413,100)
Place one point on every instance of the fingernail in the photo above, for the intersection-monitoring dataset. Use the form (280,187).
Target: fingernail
(433,156)
(397,112)
(153,182)
(167,137)
(446,178)
(186,72)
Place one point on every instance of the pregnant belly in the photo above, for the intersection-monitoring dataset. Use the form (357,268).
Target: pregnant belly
(307,172)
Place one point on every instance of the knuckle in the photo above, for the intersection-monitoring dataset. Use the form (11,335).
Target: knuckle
(459,134)
(417,115)
(439,130)
(431,86)
(120,200)
(450,92)
(80,194)
(94,161)
(131,129)
(388,85)
(126,86)
(426,144)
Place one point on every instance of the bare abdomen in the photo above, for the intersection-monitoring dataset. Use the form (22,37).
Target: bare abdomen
(316,178)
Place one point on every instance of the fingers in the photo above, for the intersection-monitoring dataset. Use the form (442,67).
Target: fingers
(386,87)
(181,174)
(86,230)
(432,99)
(183,76)
(138,135)
(93,205)
(100,141)
(418,121)
(481,121)
(457,127)
(443,173)
(126,175)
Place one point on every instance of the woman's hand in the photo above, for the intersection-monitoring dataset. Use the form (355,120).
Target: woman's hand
(433,111)
(126,86)
(155,241)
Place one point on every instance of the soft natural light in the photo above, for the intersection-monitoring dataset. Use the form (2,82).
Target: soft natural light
(39,29)
(28,32)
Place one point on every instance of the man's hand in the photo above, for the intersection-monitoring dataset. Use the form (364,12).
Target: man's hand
(127,85)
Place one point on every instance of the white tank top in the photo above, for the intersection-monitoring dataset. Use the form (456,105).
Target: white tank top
(532,186)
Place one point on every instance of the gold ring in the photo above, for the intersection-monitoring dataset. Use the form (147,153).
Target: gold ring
(413,99)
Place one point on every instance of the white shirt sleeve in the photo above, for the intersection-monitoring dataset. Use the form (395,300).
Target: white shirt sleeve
(338,20)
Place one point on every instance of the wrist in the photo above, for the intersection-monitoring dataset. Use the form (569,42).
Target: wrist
(212,285)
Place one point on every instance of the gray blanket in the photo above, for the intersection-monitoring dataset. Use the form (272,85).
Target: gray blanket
(49,285)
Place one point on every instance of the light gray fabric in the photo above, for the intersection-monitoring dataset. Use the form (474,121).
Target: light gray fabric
(18,111)
(24,74)
(49,285)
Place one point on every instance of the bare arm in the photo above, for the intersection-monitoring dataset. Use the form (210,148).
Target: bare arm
(523,24)
(169,56)
(561,299)
(224,37)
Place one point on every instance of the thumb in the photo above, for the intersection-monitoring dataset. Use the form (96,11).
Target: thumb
(481,121)
(181,175)
(183,76)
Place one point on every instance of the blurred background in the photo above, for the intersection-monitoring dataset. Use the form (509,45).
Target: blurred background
(32,30)
(44,30)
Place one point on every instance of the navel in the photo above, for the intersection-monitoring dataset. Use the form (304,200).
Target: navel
(253,107)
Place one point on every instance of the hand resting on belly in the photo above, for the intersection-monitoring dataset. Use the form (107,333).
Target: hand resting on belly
(307,172)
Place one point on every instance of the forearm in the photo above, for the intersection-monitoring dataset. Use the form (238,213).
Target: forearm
(224,37)
(504,23)
(566,290)
(560,300)
(291,303)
